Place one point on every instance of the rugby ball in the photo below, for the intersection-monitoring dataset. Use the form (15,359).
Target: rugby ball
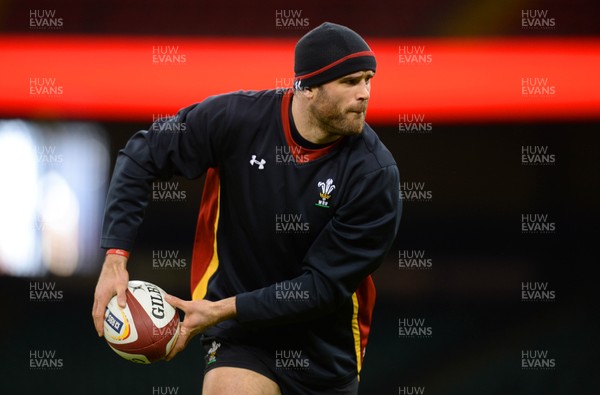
(146,329)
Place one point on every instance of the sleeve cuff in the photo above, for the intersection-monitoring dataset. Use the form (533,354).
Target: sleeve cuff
(108,243)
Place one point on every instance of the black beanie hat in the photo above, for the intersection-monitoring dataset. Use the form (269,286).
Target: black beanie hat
(328,52)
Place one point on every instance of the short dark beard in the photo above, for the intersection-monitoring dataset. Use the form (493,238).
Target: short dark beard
(329,117)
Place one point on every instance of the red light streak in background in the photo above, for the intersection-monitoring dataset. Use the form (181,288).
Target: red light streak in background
(467,80)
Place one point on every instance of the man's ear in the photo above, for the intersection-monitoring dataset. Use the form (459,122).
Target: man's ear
(308,93)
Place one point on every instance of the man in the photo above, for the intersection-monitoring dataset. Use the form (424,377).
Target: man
(300,205)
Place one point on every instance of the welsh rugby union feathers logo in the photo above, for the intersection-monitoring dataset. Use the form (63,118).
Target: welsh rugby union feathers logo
(327,188)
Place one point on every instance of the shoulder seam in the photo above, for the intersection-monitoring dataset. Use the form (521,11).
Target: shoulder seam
(379,169)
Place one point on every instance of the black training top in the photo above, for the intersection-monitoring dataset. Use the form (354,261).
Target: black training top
(293,229)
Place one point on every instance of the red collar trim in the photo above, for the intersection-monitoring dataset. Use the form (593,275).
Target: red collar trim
(301,154)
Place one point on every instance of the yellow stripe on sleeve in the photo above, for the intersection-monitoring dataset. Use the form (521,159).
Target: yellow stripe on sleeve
(356,334)
(202,287)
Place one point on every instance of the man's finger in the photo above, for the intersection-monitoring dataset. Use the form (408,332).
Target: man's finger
(175,301)
(98,315)
(94,317)
(122,297)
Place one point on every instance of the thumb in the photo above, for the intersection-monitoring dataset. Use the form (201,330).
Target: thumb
(122,297)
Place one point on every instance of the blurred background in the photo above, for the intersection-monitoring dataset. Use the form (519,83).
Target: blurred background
(491,109)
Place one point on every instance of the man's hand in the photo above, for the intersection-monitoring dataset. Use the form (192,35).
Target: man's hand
(199,316)
(113,281)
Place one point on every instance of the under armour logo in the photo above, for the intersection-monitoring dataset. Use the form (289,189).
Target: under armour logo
(261,163)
